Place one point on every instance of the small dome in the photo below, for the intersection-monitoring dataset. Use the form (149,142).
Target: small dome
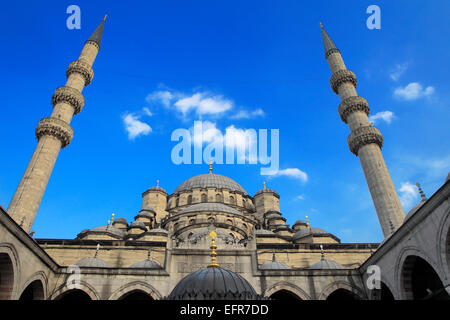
(213,284)
(414,209)
(210,180)
(210,207)
(120,220)
(92,263)
(148,208)
(145,214)
(326,265)
(146,264)
(138,224)
(158,188)
(274,265)
(299,222)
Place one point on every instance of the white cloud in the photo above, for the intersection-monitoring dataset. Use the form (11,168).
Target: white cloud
(386,116)
(163,97)
(199,103)
(147,111)
(203,103)
(135,127)
(292,172)
(408,194)
(398,71)
(244,114)
(300,197)
(413,91)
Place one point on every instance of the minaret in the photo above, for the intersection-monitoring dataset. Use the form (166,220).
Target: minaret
(365,141)
(54,133)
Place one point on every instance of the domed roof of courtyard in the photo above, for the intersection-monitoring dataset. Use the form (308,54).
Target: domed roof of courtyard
(274,265)
(92,263)
(325,264)
(210,180)
(210,207)
(146,264)
(213,283)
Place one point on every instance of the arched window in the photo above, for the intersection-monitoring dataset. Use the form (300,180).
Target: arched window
(192,221)
(176,202)
(218,197)
(232,200)
(189,199)
(203,197)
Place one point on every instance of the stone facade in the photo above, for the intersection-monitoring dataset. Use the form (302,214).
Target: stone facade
(169,238)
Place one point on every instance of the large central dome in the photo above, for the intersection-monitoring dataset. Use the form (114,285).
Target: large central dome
(210,180)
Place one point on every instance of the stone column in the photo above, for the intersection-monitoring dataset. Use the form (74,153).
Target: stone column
(365,141)
(54,133)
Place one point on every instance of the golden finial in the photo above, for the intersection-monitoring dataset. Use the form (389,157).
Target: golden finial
(210,166)
(213,247)
(112,219)
(157,183)
(321,25)
(322,253)
(264,184)
(104,18)
(307,221)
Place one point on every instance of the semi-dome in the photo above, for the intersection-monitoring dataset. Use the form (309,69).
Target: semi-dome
(213,283)
(146,264)
(120,220)
(92,263)
(307,232)
(210,207)
(107,229)
(210,180)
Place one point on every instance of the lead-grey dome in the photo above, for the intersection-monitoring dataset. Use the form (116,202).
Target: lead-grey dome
(107,229)
(274,265)
(92,263)
(213,284)
(326,265)
(308,231)
(210,180)
(210,207)
(146,264)
(138,224)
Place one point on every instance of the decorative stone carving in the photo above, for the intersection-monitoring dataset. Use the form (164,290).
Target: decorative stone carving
(362,136)
(70,96)
(55,127)
(93,43)
(329,52)
(353,104)
(340,77)
(83,68)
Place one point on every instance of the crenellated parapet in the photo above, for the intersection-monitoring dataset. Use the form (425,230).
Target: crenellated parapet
(341,77)
(362,136)
(57,128)
(353,104)
(82,68)
(70,96)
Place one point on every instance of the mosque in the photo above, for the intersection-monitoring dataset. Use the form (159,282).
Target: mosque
(210,239)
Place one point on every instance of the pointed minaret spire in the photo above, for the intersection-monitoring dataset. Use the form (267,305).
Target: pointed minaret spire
(422,195)
(96,36)
(365,141)
(328,44)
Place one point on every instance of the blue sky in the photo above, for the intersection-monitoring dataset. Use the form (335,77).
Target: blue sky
(234,64)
